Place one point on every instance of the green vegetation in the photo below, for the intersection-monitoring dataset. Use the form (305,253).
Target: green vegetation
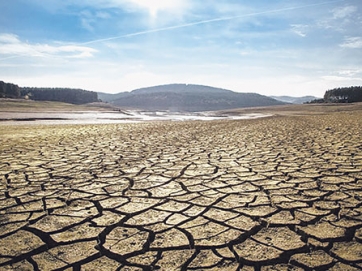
(341,95)
(8,90)
(344,95)
(188,97)
(65,95)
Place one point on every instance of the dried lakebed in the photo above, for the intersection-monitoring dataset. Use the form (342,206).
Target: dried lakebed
(279,193)
(115,117)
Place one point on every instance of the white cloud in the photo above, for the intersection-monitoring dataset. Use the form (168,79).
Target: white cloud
(11,46)
(87,19)
(230,55)
(154,7)
(341,79)
(300,29)
(103,15)
(349,72)
(8,38)
(175,8)
(352,42)
(340,19)
(341,13)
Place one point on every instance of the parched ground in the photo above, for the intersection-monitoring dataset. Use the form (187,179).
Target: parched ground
(279,193)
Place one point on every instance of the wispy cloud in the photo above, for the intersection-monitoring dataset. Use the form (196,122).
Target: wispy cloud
(11,46)
(256,46)
(341,78)
(154,7)
(87,19)
(102,15)
(8,38)
(350,72)
(300,29)
(352,42)
(340,18)
(341,13)
(210,21)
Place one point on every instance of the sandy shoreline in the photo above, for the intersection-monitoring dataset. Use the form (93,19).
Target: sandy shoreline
(280,192)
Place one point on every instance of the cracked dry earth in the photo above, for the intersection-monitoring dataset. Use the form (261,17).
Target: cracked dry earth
(280,193)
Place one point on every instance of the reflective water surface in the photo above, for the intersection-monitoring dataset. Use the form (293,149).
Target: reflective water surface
(97,117)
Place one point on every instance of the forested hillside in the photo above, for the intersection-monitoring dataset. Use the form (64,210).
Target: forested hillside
(344,95)
(187,97)
(66,95)
(8,90)
(341,95)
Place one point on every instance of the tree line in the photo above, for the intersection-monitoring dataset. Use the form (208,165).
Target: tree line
(66,95)
(342,95)
(8,90)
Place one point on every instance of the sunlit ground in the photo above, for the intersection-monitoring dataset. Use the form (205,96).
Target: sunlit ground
(281,192)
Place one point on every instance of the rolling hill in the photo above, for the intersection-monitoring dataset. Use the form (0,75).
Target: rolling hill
(186,97)
(294,100)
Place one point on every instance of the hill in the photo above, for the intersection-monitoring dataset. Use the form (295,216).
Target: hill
(294,100)
(344,95)
(185,97)
(66,95)
(8,90)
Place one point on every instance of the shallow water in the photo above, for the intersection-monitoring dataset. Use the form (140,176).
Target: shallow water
(18,118)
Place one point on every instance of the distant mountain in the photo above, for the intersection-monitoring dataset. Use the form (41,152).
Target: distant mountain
(185,97)
(108,97)
(294,100)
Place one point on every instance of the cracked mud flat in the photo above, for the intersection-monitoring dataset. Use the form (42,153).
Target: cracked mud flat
(281,193)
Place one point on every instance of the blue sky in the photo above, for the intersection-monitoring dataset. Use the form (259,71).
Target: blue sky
(279,47)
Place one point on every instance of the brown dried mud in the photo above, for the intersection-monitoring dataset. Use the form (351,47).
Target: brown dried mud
(280,193)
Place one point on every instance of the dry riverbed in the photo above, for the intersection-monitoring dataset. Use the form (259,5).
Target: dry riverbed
(276,193)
